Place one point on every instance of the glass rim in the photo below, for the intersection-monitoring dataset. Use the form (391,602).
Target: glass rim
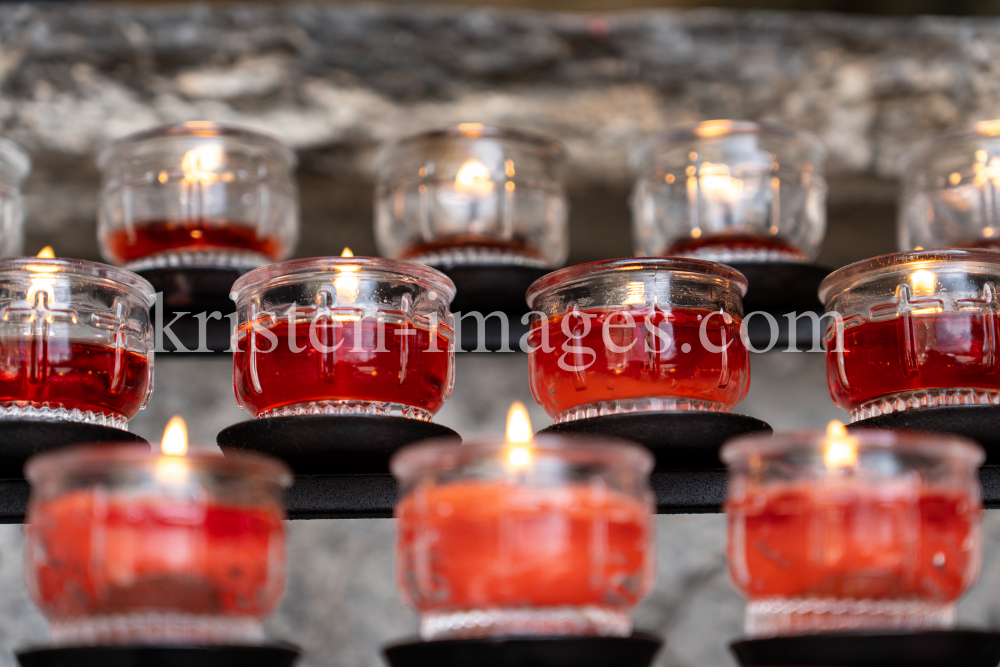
(939,445)
(570,274)
(907,260)
(435,454)
(473,131)
(263,275)
(81,269)
(196,129)
(708,130)
(984,129)
(95,457)
(15,155)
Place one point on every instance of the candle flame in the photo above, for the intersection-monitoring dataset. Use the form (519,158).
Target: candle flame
(175,437)
(474,178)
(46,253)
(201,163)
(518,436)
(43,283)
(924,282)
(346,283)
(841,449)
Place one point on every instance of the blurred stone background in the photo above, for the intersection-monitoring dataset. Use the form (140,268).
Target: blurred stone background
(334,81)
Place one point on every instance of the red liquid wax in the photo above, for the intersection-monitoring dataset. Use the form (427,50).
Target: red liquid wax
(154,237)
(473,545)
(941,350)
(57,372)
(89,554)
(582,369)
(408,370)
(844,540)
(734,243)
(514,246)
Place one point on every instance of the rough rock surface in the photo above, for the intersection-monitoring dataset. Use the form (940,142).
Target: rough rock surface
(334,81)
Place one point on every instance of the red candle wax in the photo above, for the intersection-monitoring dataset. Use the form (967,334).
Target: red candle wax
(412,367)
(61,373)
(844,539)
(154,237)
(735,243)
(664,359)
(937,350)
(476,545)
(95,555)
(514,246)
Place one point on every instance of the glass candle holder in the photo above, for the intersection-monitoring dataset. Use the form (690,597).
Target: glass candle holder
(472,194)
(730,191)
(875,530)
(197,194)
(552,537)
(129,547)
(14,168)
(914,330)
(344,335)
(950,194)
(637,335)
(76,341)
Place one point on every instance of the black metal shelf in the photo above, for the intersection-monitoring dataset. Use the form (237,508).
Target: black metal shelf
(372,496)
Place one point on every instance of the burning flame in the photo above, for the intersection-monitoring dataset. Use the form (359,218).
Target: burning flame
(473,178)
(518,435)
(924,282)
(346,282)
(200,164)
(175,437)
(841,449)
(45,282)
(717,183)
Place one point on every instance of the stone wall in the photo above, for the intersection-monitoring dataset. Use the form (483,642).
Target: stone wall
(334,81)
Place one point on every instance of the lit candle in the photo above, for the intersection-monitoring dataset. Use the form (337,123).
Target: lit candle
(472,195)
(916,330)
(125,546)
(344,335)
(845,531)
(76,339)
(525,535)
(200,195)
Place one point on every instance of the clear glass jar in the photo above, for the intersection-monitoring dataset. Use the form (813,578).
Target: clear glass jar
(875,530)
(344,335)
(552,537)
(472,194)
(128,547)
(914,330)
(637,335)
(951,190)
(76,341)
(14,168)
(730,191)
(197,194)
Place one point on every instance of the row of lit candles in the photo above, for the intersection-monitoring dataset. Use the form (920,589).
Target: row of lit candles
(362,335)
(519,536)
(204,194)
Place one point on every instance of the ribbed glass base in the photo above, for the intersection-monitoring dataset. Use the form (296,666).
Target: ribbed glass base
(44,412)
(155,628)
(214,259)
(526,621)
(794,616)
(631,405)
(473,256)
(379,408)
(760,255)
(928,398)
